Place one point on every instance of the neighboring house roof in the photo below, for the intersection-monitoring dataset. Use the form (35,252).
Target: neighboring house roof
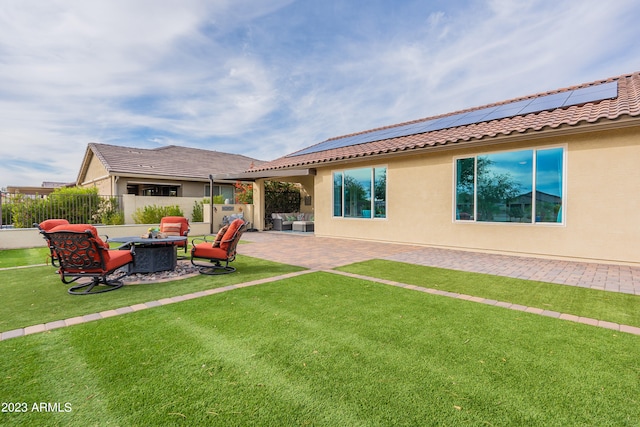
(626,105)
(170,161)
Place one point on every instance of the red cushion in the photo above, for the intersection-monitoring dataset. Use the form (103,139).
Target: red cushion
(172,223)
(51,223)
(115,259)
(219,236)
(80,228)
(226,239)
(171,228)
(205,250)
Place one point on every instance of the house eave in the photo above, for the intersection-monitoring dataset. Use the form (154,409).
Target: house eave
(265,174)
(498,139)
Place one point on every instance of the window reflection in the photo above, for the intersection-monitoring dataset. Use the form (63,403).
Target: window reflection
(465,189)
(380,192)
(549,185)
(499,187)
(357,193)
(504,186)
(337,194)
(360,193)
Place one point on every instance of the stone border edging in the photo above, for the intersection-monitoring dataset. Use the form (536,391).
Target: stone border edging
(43,327)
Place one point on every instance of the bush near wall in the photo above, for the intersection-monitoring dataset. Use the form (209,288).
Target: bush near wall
(197,215)
(75,204)
(152,214)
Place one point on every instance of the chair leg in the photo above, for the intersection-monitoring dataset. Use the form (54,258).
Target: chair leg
(97,285)
(214,269)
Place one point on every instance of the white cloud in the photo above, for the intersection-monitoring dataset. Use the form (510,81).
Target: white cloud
(268,78)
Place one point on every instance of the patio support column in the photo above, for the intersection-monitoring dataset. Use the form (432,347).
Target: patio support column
(258,204)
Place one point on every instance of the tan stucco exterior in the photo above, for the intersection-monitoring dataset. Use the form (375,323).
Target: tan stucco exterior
(601,202)
(97,176)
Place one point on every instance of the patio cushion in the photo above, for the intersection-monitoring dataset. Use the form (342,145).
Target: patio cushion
(228,235)
(79,228)
(171,228)
(219,236)
(48,224)
(205,250)
(114,259)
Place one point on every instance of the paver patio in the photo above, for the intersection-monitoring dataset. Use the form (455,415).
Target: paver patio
(307,250)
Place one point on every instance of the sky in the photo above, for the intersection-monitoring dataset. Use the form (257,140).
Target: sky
(265,78)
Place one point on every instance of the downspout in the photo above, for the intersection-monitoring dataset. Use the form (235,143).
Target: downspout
(211,204)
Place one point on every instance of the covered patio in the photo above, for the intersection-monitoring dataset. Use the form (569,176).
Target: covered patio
(303,177)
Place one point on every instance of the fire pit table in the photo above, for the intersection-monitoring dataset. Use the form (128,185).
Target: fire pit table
(151,254)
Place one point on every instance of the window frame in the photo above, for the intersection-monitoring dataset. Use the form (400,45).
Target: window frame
(372,175)
(533,221)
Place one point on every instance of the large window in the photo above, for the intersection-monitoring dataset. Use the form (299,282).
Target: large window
(516,186)
(142,189)
(360,193)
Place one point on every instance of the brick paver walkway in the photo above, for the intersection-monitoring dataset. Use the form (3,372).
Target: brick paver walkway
(317,253)
(324,253)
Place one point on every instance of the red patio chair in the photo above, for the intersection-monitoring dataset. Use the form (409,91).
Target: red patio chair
(47,225)
(219,250)
(81,253)
(175,226)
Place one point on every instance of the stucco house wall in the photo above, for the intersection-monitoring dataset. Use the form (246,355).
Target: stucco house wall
(97,176)
(552,174)
(601,204)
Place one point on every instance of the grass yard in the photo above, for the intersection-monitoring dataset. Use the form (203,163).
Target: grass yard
(325,350)
(35,295)
(602,305)
(22,257)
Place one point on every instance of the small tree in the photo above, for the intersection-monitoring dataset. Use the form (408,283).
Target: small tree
(197,215)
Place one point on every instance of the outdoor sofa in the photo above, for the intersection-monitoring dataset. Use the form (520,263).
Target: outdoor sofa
(295,221)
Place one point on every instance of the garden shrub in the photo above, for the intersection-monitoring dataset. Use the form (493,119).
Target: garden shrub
(152,214)
(197,215)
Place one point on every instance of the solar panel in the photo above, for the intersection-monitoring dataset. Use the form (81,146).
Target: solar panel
(545,103)
(527,106)
(593,93)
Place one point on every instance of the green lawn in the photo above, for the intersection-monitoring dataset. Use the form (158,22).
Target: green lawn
(36,295)
(324,350)
(602,305)
(22,257)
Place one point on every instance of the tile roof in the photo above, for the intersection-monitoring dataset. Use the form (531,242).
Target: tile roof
(169,161)
(626,104)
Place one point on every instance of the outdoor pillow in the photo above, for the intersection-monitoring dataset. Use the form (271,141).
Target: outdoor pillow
(221,232)
(171,228)
(48,224)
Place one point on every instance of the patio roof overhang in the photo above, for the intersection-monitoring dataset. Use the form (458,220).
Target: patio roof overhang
(264,174)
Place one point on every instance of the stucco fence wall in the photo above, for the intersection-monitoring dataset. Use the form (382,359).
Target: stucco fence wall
(19,238)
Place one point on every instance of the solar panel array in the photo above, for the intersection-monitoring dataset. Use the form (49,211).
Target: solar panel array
(516,108)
